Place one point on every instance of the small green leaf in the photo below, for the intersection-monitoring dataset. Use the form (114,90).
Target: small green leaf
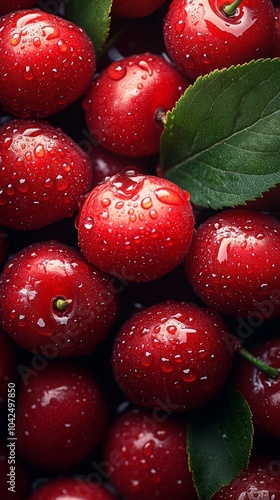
(219,447)
(94,17)
(222,140)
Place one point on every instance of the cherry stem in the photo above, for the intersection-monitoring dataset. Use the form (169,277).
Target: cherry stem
(230,9)
(161,116)
(269,370)
(61,304)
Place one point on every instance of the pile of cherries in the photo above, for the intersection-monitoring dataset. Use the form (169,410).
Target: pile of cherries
(123,307)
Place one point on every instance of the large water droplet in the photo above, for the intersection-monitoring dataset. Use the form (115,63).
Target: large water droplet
(117,70)
(88,224)
(39,151)
(61,183)
(188,375)
(146,202)
(146,67)
(15,39)
(62,45)
(153,214)
(166,365)
(22,186)
(168,196)
(146,359)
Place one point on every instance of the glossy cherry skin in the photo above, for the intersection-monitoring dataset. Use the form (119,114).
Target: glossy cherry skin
(43,174)
(134,8)
(145,453)
(47,63)
(71,489)
(172,355)
(61,415)
(258,481)
(124,105)
(137,227)
(233,264)
(7,6)
(31,285)
(261,392)
(200,38)
(8,366)
(105,163)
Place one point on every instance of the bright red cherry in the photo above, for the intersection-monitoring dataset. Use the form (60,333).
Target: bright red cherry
(261,391)
(61,415)
(127,100)
(258,482)
(71,489)
(146,456)
(43,174)
(201,37)
(172,355)
(137,227)
(134,8)
(105,163)
(46,63)
(233,264)
(55,302)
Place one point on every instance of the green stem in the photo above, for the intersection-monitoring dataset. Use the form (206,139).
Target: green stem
(269,370)
(61,304)
(230,9)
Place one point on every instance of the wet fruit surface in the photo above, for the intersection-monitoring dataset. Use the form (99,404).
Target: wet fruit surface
(55,301)
(200,37)
(122,106)
(172,355)
(233,264)
(123,225)
(65,489)
(43,174)
(261,391)
(46,63)
(139,451)
(61,415)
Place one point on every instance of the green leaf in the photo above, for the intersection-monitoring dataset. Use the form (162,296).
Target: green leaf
(94,17)
(222,140)
(219,447)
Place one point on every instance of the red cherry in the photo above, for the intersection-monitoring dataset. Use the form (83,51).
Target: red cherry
(7,6)
(258,481)
(172,355)
(71,489)
(124,107)
(261,391)
(134,8)
(105,163)
(61,415)
(8,366)
(54,60)
(145,453)
(54,301)
(233,264)
(43,174)
(200,37)
(136,227)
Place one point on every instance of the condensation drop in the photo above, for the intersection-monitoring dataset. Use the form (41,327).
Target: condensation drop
(117,70)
